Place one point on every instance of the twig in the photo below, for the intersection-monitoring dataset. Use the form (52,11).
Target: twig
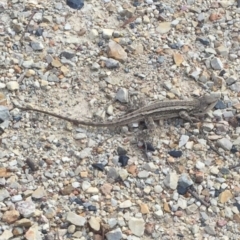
(194,194)
(25,30)
(22,76)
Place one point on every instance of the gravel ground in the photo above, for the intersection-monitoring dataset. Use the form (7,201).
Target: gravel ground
(60,181)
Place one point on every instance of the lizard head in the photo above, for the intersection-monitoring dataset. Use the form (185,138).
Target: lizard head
(207,102)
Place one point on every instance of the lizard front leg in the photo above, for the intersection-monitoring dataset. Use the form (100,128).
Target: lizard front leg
(184,115)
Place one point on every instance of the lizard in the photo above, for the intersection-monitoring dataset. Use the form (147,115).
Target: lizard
(185,109)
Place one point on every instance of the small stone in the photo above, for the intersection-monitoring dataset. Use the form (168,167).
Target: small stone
(216,64)
(214,17)
(122,95)
(143,174)
(166,207)
(171,180)
(106,189)
(75,219)
(56,63)
(163,27)
(7,234)
(67,190)
(12,85)
(92,190)
(67,27)
(111,63)
(4,116)
(94,223)
(115,234)
(123,174)
(222,50)
(26,208)
(225,144)
(125,204)
(10,216)
(199,177)
(158,189)
(112,222)
(98,166)
(221,223)
(123,159)
(80,136)
(37,46)
(39,193)
(33,233)
(93,34)
(225,196)
(214,170)
(71,229)
(116,51)
(16,198)
(178,59)
(200,165)
(183,140)
(107,33)
(210,230)
(23,223)
(175,153)
(144,208)
(136,226)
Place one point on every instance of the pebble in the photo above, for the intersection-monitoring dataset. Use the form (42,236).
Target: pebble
(163,27)
(94,223)
(225,143)
(122,95)
(115,234)
(116,51)
(125,204)
(75,219)
(136,226)
(26,208)
(12,86)
(216,64)
(171,180)
(183,140)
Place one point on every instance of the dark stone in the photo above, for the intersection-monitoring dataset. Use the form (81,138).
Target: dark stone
(17,118)
(121,151)
(39,32)
(217,192)
(222,73)
(75,4)
(92,208)
(234,149)
(67,55)
(220,105)
(181,190)
(175,153)
(15,47)
(32,165)
(78,201)
(203,41)
(225,171)
(150,147)
(98,166)
(174,46)
(132,25)
(123,159)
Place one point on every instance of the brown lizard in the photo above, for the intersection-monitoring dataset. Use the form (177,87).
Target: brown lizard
(186,109)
